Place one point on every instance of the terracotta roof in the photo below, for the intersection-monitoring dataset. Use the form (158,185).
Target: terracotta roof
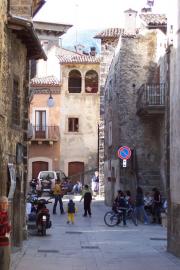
(110,33)
(78,59)
(154,19)
(45,81)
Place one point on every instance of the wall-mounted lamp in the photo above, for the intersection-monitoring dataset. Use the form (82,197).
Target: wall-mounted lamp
(50,101)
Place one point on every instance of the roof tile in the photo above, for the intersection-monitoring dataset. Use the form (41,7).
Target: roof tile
(78,59)
(45,81)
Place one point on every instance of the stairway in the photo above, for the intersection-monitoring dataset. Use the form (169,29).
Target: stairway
(148,179)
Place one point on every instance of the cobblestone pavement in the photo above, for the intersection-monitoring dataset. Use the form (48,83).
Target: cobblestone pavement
(90,244)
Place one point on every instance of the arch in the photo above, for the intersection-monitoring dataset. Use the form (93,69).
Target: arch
(91,81)
(74,81)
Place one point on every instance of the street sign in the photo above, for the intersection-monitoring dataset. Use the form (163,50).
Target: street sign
(124,152)
(124,163)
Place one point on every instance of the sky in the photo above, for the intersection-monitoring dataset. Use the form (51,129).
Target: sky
(93,14)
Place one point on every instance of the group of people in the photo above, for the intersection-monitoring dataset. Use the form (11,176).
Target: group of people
(71,208)
(142,205)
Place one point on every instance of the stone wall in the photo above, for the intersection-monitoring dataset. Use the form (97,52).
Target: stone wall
(174,187)
(133,65)
(108,47)
(22,8)
(13,62)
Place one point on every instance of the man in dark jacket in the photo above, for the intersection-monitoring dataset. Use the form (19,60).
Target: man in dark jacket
(87,196)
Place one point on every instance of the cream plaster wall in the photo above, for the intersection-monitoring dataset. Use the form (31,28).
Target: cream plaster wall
(83,145)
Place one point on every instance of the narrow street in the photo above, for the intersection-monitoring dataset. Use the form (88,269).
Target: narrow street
(90,244)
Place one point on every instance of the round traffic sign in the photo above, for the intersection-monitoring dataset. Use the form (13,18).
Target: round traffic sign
(124,152)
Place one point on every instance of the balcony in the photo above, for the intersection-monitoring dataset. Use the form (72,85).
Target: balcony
(151,100)
(43,133)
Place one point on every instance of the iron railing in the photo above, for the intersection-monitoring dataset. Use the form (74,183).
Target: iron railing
(151,95)
(46,133)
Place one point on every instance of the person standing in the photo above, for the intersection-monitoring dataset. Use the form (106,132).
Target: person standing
(95,183)
(57,192)
(4,234)
(87,196)
(156,207)
(139,206)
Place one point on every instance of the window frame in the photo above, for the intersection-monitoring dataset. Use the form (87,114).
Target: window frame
(77,80)
(74,128)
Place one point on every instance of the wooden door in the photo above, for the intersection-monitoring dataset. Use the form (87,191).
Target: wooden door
(76,171)
(38,166)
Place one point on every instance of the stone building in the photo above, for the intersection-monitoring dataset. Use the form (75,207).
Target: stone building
(173,80)
(45,102)
(109,40)
(79,115)
(18,44)
(135,105)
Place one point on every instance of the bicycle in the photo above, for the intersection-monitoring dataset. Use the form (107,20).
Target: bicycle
(131,215)
(113,218)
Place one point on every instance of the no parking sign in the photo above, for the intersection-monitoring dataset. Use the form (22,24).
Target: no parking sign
(124,153)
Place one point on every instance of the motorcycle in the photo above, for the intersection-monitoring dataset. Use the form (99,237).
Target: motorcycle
(43,216)
(39,214)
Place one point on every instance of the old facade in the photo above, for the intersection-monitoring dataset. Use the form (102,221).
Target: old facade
(18,44)
(45,102)
(79,116)
(173,54)
(130,120)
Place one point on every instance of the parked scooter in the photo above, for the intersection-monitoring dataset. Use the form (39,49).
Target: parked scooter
(43,221)
(39,213)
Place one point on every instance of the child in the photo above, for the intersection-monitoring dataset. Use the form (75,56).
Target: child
(71,209)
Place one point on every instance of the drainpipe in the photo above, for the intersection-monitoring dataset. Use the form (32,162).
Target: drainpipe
(168,145)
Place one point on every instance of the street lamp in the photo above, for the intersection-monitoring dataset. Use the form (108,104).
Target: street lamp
(50,101)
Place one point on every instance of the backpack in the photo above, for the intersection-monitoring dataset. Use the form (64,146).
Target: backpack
(71,207)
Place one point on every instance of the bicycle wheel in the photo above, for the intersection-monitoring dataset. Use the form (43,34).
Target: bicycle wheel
(111,219)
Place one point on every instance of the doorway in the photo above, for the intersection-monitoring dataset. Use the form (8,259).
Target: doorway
(76,171)
(38,166)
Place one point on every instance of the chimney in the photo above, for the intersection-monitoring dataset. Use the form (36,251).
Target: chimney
(93,51)
(79,48)
(130,22)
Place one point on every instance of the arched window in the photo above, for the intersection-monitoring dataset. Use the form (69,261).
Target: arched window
(74,82)
(91,82)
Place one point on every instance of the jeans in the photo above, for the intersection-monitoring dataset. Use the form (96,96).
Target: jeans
(141,213)
(58,198)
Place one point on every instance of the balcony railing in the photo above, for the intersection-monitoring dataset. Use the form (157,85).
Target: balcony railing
(151,99)
(44,133)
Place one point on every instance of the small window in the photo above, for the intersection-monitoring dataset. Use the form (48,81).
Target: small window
(16,103)
(73,124)
(74,81)
(91,82)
